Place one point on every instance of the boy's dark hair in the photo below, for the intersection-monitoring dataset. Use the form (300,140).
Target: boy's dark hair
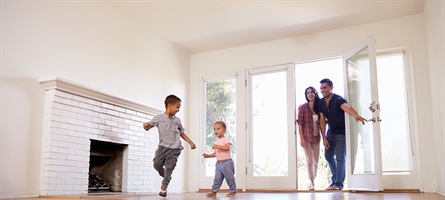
(171,99)
(326,80)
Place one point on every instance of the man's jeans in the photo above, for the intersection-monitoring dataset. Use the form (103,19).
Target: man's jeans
(336,157)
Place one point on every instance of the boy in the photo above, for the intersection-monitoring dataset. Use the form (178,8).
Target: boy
(169,148)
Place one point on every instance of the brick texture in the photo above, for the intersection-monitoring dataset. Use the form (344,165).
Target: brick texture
(70,122)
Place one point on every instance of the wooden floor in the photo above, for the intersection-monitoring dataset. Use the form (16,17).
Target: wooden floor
(318,195)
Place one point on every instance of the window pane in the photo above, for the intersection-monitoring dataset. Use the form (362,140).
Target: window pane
(394,127)
(220,106)
(361,137)
(270,145)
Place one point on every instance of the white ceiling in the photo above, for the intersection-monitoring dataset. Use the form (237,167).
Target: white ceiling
(206,25)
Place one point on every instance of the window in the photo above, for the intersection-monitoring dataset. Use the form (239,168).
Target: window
(395,134)
(220,106)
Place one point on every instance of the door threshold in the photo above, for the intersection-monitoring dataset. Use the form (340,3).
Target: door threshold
(311,191)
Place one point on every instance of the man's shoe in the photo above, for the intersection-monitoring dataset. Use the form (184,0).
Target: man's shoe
(333,187)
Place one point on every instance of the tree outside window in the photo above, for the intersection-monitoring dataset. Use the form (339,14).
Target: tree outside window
(220,106)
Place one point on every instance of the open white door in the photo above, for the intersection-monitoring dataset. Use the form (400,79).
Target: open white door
(364,168)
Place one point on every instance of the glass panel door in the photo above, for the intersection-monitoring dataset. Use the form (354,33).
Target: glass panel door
(272,161)
(269,104)
(363,141)
(220,105)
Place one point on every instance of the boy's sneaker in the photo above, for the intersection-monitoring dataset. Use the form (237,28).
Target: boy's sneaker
(163,193)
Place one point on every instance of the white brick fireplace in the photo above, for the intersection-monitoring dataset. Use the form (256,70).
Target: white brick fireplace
(75,114)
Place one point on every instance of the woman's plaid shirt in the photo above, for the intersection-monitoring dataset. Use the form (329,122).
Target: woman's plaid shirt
(305,119)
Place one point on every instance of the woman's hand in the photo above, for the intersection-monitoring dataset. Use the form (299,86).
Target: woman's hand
(303,144)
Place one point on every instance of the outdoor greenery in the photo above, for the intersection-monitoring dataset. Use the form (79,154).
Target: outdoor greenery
(323,178)
(220,106)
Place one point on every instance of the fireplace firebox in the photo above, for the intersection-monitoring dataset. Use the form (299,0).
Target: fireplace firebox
(105,171)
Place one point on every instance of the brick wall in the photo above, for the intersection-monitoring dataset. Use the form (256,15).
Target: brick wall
(72,119)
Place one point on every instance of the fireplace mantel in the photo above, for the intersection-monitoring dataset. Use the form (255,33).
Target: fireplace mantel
(74,116)
(86,91)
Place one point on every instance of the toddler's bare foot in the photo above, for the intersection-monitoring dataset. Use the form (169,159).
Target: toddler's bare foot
(211,194)
(231,194)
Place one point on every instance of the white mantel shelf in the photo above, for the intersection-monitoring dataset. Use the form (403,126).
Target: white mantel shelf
(86,91)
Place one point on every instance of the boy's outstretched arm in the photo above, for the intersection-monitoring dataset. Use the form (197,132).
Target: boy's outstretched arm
(188,140)
(147,126)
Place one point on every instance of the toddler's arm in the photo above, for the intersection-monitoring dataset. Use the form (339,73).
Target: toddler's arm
(224,148)
(212,155)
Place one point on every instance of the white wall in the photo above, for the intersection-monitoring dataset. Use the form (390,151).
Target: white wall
(87,42)
(96,45)
(409,30)
(434,16)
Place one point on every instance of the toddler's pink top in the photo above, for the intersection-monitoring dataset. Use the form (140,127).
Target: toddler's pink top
(221,154)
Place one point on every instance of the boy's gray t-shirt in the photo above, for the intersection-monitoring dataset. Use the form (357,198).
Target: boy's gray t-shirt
(169,130)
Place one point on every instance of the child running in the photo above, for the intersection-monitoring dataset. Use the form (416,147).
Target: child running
(170,147)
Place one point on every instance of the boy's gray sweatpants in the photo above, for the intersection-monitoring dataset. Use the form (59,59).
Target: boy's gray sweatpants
(165,162)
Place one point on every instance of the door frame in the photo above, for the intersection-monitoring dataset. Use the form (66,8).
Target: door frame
(290,180)
(205,182)
(401,180)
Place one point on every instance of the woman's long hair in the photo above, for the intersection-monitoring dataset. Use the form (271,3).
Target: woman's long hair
(315,100)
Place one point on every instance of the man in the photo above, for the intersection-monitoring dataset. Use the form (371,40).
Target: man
(332,107)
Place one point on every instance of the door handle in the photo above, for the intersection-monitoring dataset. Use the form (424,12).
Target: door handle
(375,120)
(372,107)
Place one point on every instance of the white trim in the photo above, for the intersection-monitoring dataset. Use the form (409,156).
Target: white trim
(268,69)
(86,91)
(219,77)
(412,111)
(317,59)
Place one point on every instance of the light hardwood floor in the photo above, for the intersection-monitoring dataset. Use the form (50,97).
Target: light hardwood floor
(318,195)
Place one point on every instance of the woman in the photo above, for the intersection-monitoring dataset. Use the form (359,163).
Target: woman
(309,129)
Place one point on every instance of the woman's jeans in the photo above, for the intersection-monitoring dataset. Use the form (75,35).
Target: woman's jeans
(336,157)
